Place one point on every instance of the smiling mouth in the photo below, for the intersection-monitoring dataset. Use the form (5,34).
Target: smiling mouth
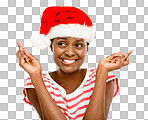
(65,61)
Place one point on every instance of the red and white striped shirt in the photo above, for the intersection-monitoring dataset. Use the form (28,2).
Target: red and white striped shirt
(73,105)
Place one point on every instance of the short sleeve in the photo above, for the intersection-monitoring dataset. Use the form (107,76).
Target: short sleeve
(110,77)
(28,84)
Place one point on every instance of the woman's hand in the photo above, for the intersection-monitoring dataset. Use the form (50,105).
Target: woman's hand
(115,61)
(27,61)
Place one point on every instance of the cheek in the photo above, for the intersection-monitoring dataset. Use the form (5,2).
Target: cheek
(55,49)
(57,53)
(82,53)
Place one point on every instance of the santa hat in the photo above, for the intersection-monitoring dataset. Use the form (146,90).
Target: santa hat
(60,21)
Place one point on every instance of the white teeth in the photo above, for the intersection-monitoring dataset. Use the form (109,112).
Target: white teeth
(69,61)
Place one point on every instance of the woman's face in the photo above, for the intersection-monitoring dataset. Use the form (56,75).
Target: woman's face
(69,53)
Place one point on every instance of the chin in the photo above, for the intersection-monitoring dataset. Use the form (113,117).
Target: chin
(69,69)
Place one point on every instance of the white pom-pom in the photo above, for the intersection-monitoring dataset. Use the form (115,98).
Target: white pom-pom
(40,41)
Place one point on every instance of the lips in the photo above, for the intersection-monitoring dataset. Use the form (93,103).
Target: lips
(68,61)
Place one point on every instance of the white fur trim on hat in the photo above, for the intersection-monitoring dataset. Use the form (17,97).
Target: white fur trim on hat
(72,30)
(39,41)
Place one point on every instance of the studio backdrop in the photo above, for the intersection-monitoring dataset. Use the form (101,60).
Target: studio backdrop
(121,25)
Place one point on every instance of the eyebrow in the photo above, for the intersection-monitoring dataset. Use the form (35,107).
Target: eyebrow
(80,41)
(61,38)
(66,39)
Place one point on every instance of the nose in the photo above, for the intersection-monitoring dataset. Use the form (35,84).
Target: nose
(70,51)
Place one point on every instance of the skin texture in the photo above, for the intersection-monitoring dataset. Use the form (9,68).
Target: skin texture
(71,48)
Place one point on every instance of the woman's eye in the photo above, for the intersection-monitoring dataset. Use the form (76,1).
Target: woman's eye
(61,44)
(79,45)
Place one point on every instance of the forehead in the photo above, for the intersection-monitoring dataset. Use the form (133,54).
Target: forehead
(70,39)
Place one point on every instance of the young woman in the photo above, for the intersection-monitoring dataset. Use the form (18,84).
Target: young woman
(69,92)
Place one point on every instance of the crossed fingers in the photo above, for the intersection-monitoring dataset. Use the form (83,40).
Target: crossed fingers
(120,59)
(125,58)
(22,53)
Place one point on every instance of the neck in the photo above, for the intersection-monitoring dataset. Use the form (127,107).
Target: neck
(68,76)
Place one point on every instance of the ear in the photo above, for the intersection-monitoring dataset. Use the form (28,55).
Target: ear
(51,42)
(51,46)
(87,46)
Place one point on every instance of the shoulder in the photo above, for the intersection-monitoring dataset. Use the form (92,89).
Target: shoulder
(92,73)
(91,70)
(29,84)
(111,76)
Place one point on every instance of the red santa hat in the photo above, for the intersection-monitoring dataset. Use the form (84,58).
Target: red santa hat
(60,21)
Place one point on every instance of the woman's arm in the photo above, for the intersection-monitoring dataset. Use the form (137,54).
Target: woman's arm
(97,110)
(96,106)
(109,92)
(33,98)
(49,109)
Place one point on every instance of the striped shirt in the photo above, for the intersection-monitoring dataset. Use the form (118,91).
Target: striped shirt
(73,105)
